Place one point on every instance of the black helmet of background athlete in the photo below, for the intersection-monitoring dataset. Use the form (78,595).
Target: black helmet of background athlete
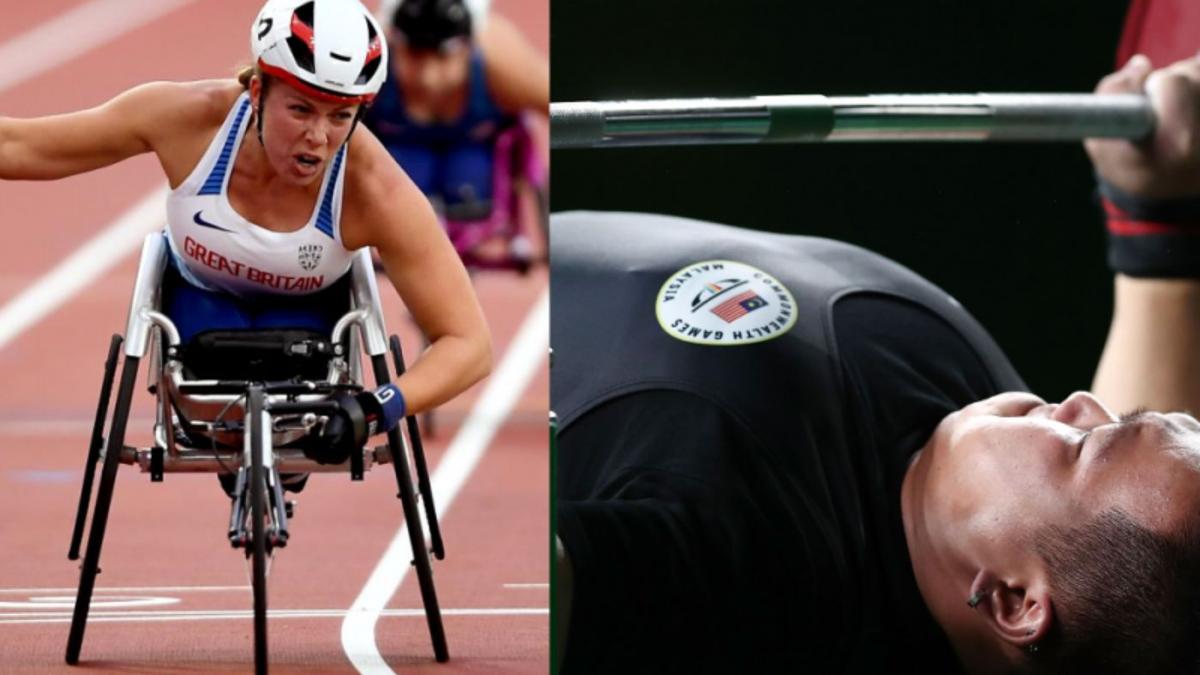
(432,24)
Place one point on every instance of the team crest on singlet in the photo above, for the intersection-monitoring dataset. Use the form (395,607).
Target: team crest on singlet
(310,256)
(725,303)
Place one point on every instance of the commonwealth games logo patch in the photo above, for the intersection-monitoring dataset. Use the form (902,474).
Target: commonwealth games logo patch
(723,302)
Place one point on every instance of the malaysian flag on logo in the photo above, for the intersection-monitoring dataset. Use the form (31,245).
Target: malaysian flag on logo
(713,289)
(738,306)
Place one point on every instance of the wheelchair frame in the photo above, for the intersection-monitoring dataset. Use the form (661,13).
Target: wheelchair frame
(262,410)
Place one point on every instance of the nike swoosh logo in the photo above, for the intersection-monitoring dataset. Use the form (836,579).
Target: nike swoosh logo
(204,223)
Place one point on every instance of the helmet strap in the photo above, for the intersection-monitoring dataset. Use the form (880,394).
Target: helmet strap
(358,116)
(258,115)
(258,123)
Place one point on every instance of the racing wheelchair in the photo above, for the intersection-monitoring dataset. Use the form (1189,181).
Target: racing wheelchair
(250,430)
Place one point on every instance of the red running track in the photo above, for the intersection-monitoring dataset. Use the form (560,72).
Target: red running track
(165,541)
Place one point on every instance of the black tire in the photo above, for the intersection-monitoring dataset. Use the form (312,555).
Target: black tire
(416,533)
(258,533)
(93,455)
(108,479)
(418,451)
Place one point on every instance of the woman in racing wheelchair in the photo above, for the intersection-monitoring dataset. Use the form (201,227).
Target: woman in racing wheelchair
(272,191)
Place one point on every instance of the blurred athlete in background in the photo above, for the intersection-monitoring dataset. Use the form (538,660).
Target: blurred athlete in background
(452,88)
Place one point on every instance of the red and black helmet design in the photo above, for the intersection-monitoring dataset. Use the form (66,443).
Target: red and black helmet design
(330,49)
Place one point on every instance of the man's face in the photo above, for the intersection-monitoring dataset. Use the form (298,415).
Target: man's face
(1003,466)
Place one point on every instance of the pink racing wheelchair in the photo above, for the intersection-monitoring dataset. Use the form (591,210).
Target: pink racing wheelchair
(518,175)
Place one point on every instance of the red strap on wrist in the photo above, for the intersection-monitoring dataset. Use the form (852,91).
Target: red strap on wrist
(1122,224)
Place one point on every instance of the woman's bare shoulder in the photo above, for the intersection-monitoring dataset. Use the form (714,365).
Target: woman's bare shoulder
(182,118)
(198,101)
(370,168)
(377,192)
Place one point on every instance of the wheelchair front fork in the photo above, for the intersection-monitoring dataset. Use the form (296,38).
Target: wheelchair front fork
(276,533)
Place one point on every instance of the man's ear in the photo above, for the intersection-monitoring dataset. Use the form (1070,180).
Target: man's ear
(1019,613)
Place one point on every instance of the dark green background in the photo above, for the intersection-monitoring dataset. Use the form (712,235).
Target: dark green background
(1010,230)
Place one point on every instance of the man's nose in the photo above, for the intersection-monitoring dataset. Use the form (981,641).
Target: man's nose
(1084,410)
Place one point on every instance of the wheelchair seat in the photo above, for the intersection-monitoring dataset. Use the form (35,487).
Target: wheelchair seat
(269,355)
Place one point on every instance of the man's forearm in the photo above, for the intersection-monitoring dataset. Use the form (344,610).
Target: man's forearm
(1152,355)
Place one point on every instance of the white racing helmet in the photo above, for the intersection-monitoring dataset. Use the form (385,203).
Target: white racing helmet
(330,49)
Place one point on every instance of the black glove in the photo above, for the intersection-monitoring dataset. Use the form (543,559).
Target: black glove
(361,416)
(344,433)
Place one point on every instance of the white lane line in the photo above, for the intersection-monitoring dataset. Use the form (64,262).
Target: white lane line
(84,266)
(98,602)
(527,586)
(130,589)
(183,615)
(74,33)
(44,476)
(62,426)
(526,355)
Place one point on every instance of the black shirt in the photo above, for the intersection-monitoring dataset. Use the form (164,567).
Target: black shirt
(731,502)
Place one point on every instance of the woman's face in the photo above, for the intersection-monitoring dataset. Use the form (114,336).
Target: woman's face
(432,74)
(301,133)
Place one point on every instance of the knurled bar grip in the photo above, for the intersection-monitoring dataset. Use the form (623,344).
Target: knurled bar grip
(889,117)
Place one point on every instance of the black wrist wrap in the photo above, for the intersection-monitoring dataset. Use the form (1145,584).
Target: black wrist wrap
(1152,237)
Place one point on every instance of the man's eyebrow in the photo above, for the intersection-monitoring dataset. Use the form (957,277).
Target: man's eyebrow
(1127,420)
(1125,423)
(1132,416)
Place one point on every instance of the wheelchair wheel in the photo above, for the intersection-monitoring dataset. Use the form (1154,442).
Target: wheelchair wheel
(258,516)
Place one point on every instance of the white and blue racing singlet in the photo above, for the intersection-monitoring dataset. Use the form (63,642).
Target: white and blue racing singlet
(218,249)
